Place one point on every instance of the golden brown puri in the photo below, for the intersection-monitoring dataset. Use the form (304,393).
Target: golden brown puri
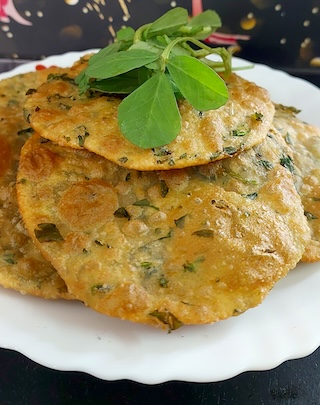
(164,248)
(304,140)
(58,112)
(22,267)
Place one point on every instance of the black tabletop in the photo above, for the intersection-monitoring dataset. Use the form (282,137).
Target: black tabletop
(295,382)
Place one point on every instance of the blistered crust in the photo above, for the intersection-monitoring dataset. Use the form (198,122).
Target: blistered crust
(58,112)
(304,141)
(188,246)
(22,267)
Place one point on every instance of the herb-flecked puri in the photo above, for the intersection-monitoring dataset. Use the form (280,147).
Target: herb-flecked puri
(304,141)
(90,122)
(165,248)
(22,267)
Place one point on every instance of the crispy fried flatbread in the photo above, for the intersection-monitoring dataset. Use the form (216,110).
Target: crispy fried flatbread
(57,112)
(304,139)
(22,267)
(165,248)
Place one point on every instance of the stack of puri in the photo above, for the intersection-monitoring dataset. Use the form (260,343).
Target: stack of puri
(192,232)
(22,266)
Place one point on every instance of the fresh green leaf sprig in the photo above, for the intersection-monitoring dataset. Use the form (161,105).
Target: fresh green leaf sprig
(153,67)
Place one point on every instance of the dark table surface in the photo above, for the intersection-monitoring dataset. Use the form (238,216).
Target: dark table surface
(295,382)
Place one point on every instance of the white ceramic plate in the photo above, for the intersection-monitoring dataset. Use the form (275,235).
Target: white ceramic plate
(68,336)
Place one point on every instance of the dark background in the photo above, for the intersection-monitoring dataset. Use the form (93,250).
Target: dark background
(295,382)
(282,32)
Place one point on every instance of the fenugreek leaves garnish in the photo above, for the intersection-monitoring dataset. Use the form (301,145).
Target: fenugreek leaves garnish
(155,66)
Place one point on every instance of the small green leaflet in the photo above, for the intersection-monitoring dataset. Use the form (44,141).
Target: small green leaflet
(125,34)
(150,110)
(168,23)
(120,62)
(108,50)
(119,85)
(122,84)
(208,19)
(199,84)
(82,80)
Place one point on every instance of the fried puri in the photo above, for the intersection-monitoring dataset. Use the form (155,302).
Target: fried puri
(304,140)
(22,267)
(58,112)
(164,248)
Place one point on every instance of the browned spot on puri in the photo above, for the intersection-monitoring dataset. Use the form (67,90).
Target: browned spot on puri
(39,164)
(5,155)
(87,203)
